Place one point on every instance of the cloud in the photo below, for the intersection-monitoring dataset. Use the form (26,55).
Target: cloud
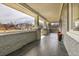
(8,15)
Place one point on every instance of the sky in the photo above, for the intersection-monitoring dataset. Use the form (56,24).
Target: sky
(8,15)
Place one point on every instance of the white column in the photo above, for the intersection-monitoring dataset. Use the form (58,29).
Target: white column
(70,16)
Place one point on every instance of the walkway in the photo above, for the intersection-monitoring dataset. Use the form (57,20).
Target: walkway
(47,46)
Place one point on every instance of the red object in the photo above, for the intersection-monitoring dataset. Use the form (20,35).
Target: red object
(59,36)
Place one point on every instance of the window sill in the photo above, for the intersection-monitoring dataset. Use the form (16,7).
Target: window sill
(74,35)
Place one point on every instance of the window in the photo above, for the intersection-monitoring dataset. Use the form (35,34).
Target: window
(13,20)
(75,17)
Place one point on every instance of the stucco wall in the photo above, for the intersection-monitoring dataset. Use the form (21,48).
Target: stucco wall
(12,42)
(64,19)
(70,40)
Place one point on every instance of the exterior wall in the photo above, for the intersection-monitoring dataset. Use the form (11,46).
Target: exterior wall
(70,40)
(11,42)
(64,21)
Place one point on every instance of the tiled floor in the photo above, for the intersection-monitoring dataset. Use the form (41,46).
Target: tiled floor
(47,46)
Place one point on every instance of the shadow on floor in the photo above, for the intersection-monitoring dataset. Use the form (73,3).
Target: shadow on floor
(46,46)
(23,50)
